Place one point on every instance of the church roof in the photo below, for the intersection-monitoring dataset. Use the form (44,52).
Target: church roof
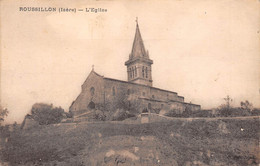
(138,49)
(112,79)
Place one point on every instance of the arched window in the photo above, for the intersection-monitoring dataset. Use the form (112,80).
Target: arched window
(143,71)
(143,93)
(92,91)
(135,71)
(128,91)
(130,71)
(114,91)
(146,72)
(153,96)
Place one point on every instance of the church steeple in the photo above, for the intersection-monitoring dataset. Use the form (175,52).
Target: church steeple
(138,49)
(139,68)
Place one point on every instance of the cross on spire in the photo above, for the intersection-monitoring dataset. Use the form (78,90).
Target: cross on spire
(136,20)
(93,67)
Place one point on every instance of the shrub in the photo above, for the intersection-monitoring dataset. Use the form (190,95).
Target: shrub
(236,112)
(99,115)
(256,112)
(157,110)
(202,113)
(3,113)
(46,114)
(129,106)
(69,114)
(246,105)
(121,114)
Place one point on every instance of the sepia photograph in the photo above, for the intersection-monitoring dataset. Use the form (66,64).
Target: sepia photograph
(124,83)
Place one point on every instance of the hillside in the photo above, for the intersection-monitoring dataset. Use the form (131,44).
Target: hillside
(175,142)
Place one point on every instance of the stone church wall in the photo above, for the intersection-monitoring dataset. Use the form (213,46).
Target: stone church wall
(103,92)
(120,90)
(193,107)
(158,99)
(91,91)
(154,106)
(178,107)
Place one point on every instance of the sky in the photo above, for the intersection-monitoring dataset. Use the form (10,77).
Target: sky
(204,50)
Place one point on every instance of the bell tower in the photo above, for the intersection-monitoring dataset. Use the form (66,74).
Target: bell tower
(139,65)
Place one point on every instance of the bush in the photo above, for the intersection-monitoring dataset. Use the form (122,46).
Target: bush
(202,113)
(256,112)
(47,114)
(221,112)
(156,110)
(178,113)
(124,107)
(3,113)
(99,115)
(121,114)
(173,113)
(246,105)
(233,112)
(69,114)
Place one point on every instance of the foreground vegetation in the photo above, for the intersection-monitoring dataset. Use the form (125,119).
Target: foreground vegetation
(45,139)
(176,142)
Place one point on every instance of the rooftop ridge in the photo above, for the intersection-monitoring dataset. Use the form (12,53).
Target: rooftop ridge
(139,84)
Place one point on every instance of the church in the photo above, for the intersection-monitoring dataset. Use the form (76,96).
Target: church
(137,94)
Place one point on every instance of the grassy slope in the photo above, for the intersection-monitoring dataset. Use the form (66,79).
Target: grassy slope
(184,141)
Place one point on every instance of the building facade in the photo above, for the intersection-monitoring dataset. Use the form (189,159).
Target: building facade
(99,92)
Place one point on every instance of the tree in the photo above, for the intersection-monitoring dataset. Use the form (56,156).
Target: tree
(3,113)
(246,105)
(47,114)
(228,102)
(125,106)
(224,109)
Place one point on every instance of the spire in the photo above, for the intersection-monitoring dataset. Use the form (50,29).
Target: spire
(139,65)
(138,49)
